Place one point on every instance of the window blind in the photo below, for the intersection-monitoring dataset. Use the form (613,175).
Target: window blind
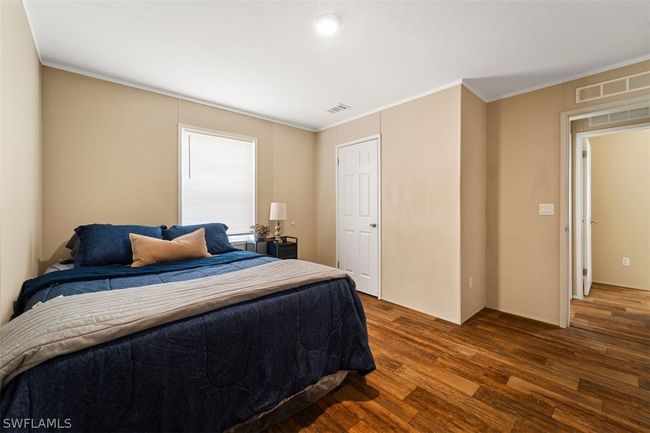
(218,180)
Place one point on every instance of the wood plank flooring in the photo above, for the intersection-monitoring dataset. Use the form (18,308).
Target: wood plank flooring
(496,373)
(614,311)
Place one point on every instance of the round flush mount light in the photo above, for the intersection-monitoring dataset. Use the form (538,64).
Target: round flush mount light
(327,24)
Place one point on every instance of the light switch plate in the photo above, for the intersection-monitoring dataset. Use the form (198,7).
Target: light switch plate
(546,209)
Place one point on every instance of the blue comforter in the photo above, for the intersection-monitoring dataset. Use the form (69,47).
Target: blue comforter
(204,373)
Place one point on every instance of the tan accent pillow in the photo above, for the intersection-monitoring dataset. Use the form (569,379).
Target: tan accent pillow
(148,250)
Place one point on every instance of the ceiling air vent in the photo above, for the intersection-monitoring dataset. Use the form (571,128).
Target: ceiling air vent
(620,116)
(618,86)
(338,108)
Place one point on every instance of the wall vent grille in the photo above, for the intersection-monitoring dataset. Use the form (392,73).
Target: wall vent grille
(620,116)
(338,108)
(619,86)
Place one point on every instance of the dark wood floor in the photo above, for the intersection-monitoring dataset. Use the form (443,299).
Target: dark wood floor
(497,372)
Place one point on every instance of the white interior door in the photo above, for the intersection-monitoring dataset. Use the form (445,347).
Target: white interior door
(357,213)
(587,218)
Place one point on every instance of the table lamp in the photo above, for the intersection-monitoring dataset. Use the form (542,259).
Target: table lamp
(278,213)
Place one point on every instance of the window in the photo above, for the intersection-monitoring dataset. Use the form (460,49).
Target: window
(217,180)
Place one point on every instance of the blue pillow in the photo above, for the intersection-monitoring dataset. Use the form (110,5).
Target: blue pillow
(215,236)
(106,244)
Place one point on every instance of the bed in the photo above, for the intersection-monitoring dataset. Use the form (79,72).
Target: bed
(239,340)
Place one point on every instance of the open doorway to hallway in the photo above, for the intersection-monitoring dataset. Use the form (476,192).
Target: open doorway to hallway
(611,229)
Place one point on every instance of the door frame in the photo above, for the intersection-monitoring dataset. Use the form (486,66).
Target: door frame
(578,211)
(565,229)
(578,196)
(336,203)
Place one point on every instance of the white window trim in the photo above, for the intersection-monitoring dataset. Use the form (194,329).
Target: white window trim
(191,128)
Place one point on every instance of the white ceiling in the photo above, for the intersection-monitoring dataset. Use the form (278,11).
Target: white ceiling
(265,58)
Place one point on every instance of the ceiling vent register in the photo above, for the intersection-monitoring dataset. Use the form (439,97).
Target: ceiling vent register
(619,86)
(338,108)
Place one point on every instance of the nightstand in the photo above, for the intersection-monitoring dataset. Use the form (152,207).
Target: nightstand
(257,245)
(288,249)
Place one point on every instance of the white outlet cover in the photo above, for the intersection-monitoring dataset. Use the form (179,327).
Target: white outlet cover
(625,261)
(546,209)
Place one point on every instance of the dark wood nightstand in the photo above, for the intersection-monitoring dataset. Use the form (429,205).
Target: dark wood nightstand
(288,249)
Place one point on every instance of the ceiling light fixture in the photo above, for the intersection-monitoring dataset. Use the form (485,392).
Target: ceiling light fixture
(327,24)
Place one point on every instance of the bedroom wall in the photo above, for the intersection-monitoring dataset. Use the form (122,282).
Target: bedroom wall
(473,111)
(523,169)
(110,154)
(421,234)
(620,200)
(421,210)
(523,162)
(325,206)
(20,155)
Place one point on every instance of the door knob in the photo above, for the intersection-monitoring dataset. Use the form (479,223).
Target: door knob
(373,225)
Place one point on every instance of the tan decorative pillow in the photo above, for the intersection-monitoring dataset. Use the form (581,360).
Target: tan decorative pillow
(148,250)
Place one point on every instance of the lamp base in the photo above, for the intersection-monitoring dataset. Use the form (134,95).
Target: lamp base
(278,239)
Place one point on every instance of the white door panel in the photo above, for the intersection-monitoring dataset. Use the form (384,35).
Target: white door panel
(357,230)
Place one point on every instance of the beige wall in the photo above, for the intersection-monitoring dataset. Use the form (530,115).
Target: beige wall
(523,161)
(523,169)
(421,204)
(421,199)
(294,184)
(20,155)
(620,179)
(472,205)
(325,206)
(110,154)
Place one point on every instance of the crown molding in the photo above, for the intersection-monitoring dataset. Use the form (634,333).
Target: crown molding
(170,94)
(473,90)
(479,94)
(571,78)
(394,104)
(31,29)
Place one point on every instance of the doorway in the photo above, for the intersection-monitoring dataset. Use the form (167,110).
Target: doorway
(607,111)
(621,162)
(611,228)
(357,213)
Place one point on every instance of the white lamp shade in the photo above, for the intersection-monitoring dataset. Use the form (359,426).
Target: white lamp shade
(278,211)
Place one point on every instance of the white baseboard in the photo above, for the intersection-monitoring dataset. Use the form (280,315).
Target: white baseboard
(472,314)
(625,286)
(526,316)
(421,311)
